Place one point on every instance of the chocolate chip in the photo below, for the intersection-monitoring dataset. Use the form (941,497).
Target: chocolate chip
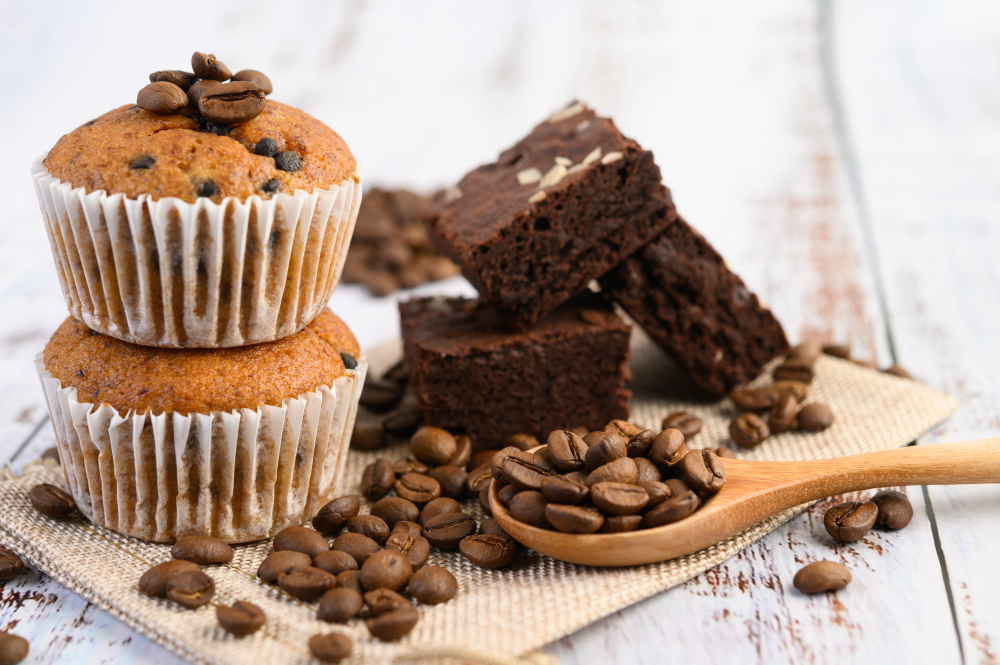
(141,163)
(266,147)
(271,186)
(253,76)
(207,67)
(207,188)
(288,161)
(199,120)
(162,97)
(349,361)
(182,80)
(217,128)
(89,123)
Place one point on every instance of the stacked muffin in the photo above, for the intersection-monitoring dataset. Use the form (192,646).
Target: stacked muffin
(201,387)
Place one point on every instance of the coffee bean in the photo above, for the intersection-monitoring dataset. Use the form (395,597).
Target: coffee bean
(622,470)
(287,161)
(206,189)
(393,625)
(394,509)
(339,604)
(481,458)
(639,445)
(478,479)
(367,436)
(704,471)
(445,531)
(377,479)
(507,492)
(232,103)
(190,588)
(617,498)
(496,464)
(52,452)
(333,516)
(162,98)
(300,539)
(52,501)
(437,507)
(688,425)
(647,470)
(821,576)
(202,550)
(387,569)
(194,94)
(408,526)
(306,582)
(668,449)
(521,441)
(526,470)
(606,448)
(463,451)
(488,550)
(255,77)
(573,519)
(380,395)
(490,527)
(142,163)
(415,548)
(404,420)
(240,618)
(894,509)
(403,466)
(334,562)
(794,369)
(417,488)
(182,80)
(350,579)
(621,523)
(797,388)
(433,445)
(748,431)
(754,399)
(13,648)
(656,491)
(266,147)
(850,521)
(452,480)
(677,486)
(838,350)
(11,564)
(577,476)
(673,509)
(372,526)
(154,581)
(626,429)
(433,585)
(566,450)
(380,601)
(807,352)
(207,67)
(484,499)
(897,370)
(815,417)
(529,507)
(358,546)
(722,451)
(783,413)
(560,490)
(330,647)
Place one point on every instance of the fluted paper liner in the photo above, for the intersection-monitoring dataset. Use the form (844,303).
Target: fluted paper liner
(170,273)
(240,476)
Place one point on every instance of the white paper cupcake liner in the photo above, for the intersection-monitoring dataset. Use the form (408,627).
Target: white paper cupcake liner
(174,274)
(239,476)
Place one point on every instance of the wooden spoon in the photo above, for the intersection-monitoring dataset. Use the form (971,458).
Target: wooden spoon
(755,491)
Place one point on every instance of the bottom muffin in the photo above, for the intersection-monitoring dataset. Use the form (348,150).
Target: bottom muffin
(236,443)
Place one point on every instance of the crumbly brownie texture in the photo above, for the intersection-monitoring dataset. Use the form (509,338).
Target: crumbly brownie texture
(560,208)
(126,376)
(680,291)
(473,375)
(113,151)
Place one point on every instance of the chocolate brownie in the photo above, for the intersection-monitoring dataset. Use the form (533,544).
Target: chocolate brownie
(682,293)
(562,207)
(473,374)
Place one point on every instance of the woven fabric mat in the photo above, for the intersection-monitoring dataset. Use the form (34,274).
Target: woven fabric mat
(498,616)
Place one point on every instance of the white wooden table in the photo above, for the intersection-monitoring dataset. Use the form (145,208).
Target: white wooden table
(843,155)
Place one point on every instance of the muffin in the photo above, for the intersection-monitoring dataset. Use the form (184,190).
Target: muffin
(173,230)
(236,443)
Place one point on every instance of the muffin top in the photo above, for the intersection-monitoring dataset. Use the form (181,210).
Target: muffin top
(133,151)
(126,376)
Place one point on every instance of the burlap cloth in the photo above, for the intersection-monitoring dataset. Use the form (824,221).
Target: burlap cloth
(498,616)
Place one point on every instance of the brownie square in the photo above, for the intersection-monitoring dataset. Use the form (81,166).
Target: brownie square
(562,207)
(680,291)
(475,375)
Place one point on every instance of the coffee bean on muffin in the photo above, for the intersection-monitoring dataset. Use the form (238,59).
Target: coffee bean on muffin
(182,80)
(255,77)
(162,97)
(232,103)
(208,67)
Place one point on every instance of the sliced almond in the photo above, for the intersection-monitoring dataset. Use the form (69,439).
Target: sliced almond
(576,168)
(592,157)
(565,161)
(582,126)
(453,194)
(567,112)
(537,197)
(611,157)
(529,176)
(554,175)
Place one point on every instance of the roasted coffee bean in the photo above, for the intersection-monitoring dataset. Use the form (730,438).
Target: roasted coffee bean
(573,519)
(208,67)
(480,458)
(815,417)
(491,550)
(529,507)
(300,539)
(377,479)
(807,352)
(380,395)
(433,585)
(438,506)
(394,509)
(232,103)
(182,80)
(380,601)
(560,490)
(668,449)
(11,564)
(387,569)
(433,445)
(753,399)
(203,550)
(255,77)
(609,447)
(821,576)
(206,189)
(52,501)
(372,526)
(266,147)
(350,579)
(306,582)
(576,476)
(727,453)
(794,369)
(451,478)
(447,530)
(591,438)
(681,420)
(240,618)
(194,94)
(403,466)
(521,441)
(656,491)
(339,604)
(162,98)
(526,470)
(490,527)
(478,479)
(850,521)
(484,498)
(507,492)
(703,471)
(797,388)
(409,526)
(140,163)
(13,648)
(358,546)
(367,436)
(393,625)
(287,161)
(463,451)
(52,452)
(496,464)
(626,429)
(673,509)
(566,450)
(417,488)
(647,470)
(334,562)
(330,647)
(616,498)
(622,470)
(838,350)
(154,581)
(677,486)
(783,413)
(190,588)
(897,370)
(404,419)
(333,516)
(894,509)
(416,549)
(621,523)
(748,431)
